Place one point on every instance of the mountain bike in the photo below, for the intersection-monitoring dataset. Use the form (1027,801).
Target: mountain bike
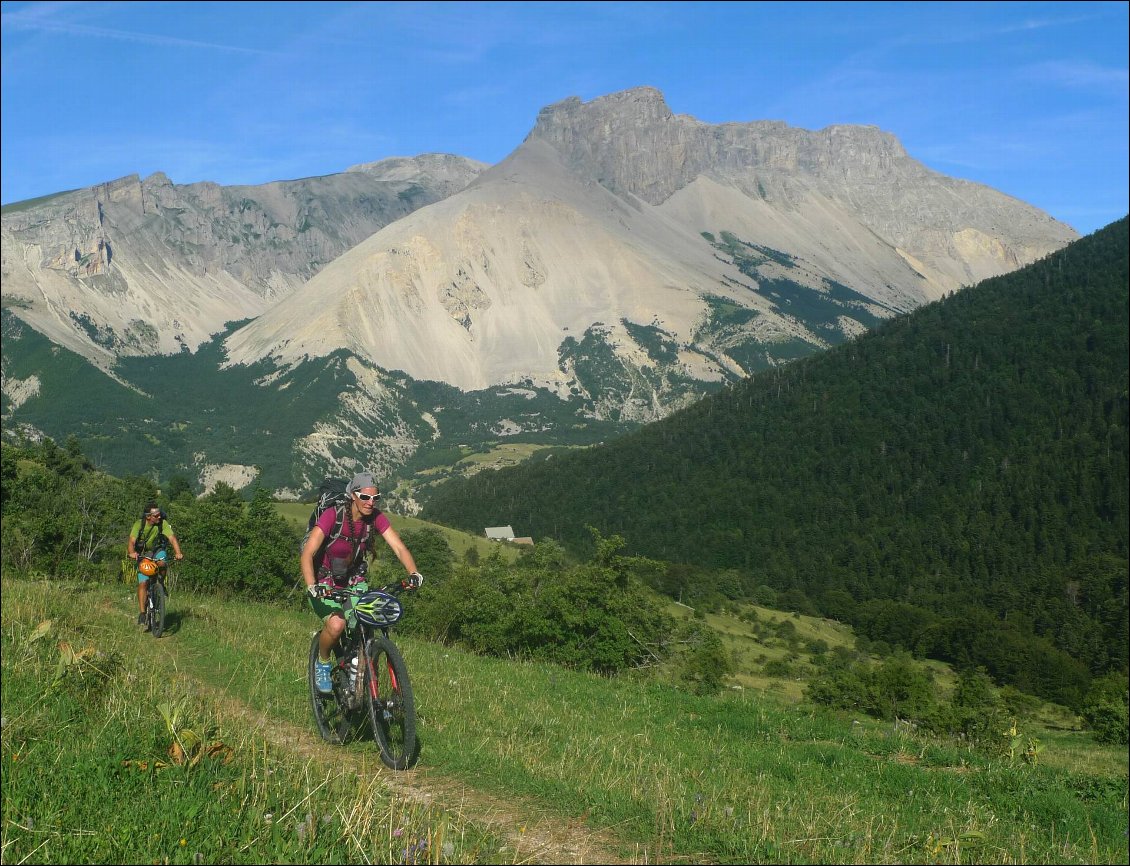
(156,595)
(370,678)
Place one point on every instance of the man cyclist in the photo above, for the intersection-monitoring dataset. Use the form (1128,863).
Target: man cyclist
(150,536)
(343,563)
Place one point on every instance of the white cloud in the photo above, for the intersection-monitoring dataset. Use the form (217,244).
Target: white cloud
(37,22)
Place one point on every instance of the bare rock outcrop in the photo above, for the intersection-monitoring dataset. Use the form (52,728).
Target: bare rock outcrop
(139,266)
(615,216)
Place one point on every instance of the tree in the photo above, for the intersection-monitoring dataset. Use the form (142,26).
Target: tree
(272,546)
(433,555)
(1106,708)
(706,664)
(179,486)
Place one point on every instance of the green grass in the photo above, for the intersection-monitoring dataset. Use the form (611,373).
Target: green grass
(741,778)
(89,766)
(754,641)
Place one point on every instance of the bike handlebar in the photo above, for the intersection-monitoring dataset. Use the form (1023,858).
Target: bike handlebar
(341,596)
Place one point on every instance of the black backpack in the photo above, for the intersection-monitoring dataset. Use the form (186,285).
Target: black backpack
(331,494)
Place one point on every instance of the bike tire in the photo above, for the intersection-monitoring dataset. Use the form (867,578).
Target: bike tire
(157,609)
(391,705)
(330,715)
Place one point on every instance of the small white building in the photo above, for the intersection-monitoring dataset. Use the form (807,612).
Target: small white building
(499,533)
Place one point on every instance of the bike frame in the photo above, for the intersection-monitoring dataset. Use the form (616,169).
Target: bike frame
(156,583)
(355,641)
(388,701)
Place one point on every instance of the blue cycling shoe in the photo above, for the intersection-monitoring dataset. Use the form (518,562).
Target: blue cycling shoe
(322,671)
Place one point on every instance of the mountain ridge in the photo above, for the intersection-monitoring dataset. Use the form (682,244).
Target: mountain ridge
(544,299)
(144,266)
(616,167)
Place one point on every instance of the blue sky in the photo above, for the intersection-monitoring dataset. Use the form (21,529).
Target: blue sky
(1028,98)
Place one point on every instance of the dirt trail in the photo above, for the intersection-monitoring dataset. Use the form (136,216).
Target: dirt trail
(533,835)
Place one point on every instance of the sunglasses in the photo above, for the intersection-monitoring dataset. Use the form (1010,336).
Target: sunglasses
(368,497)
(153,516)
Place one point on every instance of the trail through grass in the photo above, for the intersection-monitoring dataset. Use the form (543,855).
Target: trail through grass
(636,771)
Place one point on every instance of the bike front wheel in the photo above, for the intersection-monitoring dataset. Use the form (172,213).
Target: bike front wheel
(330,714)
(392,708)
(157,609)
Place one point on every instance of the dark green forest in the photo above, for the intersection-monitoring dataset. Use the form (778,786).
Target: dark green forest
(953,483)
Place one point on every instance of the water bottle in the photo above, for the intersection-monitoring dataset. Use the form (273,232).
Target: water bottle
(353,673)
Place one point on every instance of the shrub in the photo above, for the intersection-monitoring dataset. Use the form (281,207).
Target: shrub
(778,668)
(1106,709)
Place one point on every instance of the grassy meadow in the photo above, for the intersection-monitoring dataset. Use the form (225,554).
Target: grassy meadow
(198,747)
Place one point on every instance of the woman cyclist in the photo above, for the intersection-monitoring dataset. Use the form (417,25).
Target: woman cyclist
(343,563)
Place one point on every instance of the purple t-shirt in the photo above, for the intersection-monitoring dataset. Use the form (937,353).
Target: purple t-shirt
(352,536)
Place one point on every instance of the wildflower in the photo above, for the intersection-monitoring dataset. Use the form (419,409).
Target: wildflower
(398,832)
(183,842)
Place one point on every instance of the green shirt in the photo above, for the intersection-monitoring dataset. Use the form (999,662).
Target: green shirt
(145,539)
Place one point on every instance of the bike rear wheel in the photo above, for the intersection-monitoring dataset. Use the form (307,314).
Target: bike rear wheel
(330,714)
(392,708)
(157,609)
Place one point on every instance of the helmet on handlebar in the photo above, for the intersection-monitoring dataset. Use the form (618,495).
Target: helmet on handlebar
(147,566)
(377,608)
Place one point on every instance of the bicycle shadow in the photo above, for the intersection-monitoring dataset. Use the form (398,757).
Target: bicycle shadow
(173,622)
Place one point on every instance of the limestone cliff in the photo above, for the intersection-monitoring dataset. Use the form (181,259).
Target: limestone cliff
(147,266)
(719,241)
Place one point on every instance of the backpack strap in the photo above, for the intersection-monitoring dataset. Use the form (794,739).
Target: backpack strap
(339,525)
(337,532)
(145,537)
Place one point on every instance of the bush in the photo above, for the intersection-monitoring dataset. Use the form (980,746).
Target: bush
(1106,709)
(816,647)
(778,668)
(1109,721)
(594,616)
(707,663)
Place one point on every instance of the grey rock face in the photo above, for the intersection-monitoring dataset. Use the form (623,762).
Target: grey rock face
(188,258)
(632,143)
(742,244)
(621,262)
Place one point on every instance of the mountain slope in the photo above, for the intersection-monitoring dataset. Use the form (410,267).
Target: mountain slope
(617,213)
(972,452)
(143,267)
(622,263)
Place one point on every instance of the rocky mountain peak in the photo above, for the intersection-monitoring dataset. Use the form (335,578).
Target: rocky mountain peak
(633,107)
(621,262)
(136,266)
(632,143)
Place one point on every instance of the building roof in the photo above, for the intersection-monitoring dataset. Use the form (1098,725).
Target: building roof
(499,533)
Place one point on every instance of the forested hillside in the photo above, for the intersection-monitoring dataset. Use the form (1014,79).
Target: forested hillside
(954,482)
